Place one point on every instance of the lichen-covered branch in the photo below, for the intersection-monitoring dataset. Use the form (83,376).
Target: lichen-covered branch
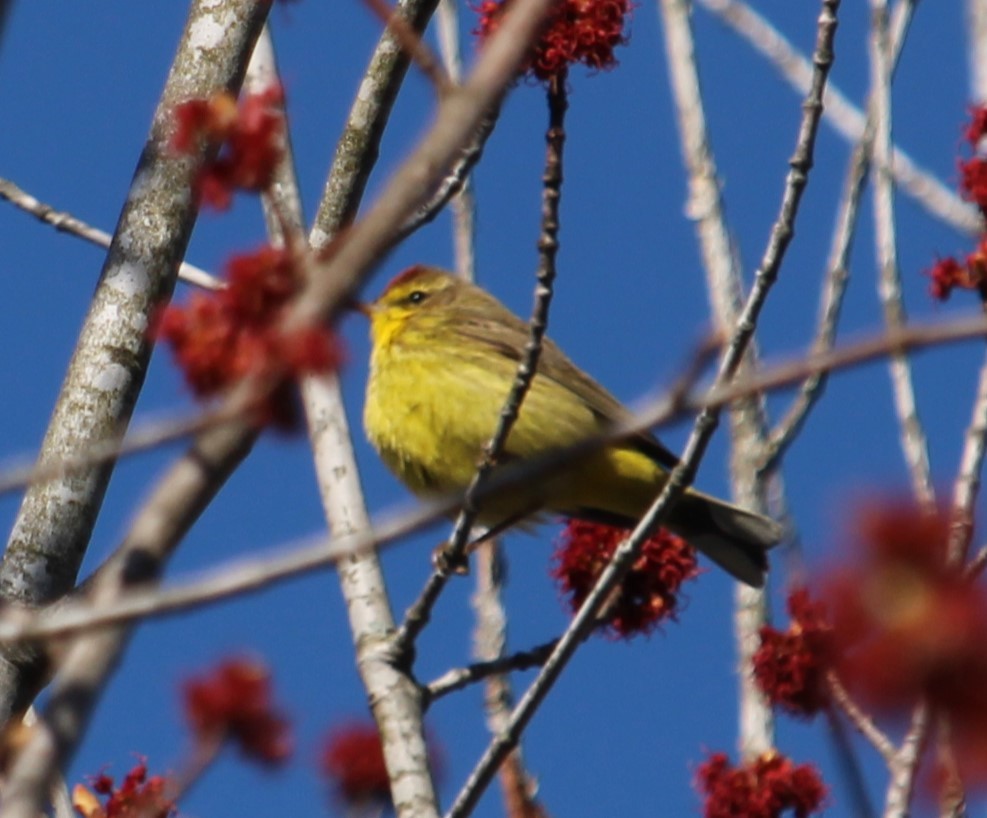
(56,518)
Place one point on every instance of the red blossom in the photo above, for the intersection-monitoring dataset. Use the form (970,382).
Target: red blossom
(946,275)
(790,666)
(973,181)
(977,127)
(234,702)
(221,338)
(764,788)
(138,796)
(649,592)
(912,627)
(353,760)
(248,141)
(575,31)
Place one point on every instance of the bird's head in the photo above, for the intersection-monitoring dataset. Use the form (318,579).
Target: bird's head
(419,295)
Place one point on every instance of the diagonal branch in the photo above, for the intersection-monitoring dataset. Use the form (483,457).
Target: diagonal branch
(913,439)
(454,552)
(705,425)
(247,575)
(837,267)
(67,223)
(843,115)
(56,517)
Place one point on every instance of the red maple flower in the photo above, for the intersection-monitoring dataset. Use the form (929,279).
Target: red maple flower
(911,627)
(764,788)
(973,181)
(977,127)
(234,702)
(575,31)
(790,666)
(649,592)
(248,141)
(221,338)
(138,796)
(946,275)
(353,759)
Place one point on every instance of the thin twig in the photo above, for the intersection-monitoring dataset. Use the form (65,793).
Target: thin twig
(243,576)
(904,768)
(67,223)
(724,287)
(863,723)
(519,788)
(967,485)
(913,439)
(455,179)
(460,114)
(843,115)
(459,678)
(681,475)
(837,267)
(850,766)
(411,42)
(463,202)
(419,613)
(148,435)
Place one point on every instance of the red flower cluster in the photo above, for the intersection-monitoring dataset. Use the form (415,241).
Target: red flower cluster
(234,702)
(911,627)
(249,141)
(649,592)
(137,797)
(790,666)
(224,337)
(948,273)
(353,759)
(764,788)
(576,31)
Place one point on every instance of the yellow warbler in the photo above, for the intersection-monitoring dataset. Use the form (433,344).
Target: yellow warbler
(444,355)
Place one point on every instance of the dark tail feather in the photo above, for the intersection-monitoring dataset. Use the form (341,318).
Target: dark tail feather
(735,539)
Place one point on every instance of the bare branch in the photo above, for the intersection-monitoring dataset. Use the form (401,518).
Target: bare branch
(462,677)
(463,203)
(967,485)
(459,115)
(838,266)
(107,370)
(395,697)
(243,576)
(705,425)
(913,440)
(863,723)
(976,28)
(453,553)
(67,223)
(904,769)
(412,44)
(848,120)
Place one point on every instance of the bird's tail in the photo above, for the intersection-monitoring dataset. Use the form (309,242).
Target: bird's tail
(735,539)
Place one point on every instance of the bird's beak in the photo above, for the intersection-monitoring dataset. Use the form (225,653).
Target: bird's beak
(359,306)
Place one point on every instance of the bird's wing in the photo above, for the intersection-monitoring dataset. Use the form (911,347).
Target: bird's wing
(508,334)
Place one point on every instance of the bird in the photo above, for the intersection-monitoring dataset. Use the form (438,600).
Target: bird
(444,354)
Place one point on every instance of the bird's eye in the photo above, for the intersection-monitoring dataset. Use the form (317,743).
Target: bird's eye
(417,296)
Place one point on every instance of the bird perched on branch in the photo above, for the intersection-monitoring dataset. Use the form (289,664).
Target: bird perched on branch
(444,356)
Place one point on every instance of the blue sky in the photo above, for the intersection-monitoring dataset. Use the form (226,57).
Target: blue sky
(623,730)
